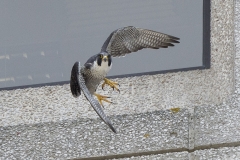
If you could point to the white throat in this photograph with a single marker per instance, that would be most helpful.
(103, 69)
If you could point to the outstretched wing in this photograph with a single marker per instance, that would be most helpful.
(79, 83)
(131, 39)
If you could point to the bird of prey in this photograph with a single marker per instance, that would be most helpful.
(120, 42)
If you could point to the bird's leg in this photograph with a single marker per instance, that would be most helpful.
(102, 98)
(112, 84)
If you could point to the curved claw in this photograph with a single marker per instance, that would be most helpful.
(111, 84)
(103, 86)
(102, 98)
(116, 89)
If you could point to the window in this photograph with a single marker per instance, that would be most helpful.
(41, 40)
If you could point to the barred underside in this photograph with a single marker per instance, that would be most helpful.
(94, 103)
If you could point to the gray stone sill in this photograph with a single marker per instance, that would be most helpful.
(138, 134)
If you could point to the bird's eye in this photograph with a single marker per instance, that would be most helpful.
(101, 56)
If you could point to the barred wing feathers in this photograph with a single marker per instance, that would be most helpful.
(131, 39)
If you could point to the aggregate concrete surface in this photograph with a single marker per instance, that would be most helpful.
(159, 130)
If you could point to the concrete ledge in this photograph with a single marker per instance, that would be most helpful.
(217, 125)
(161, 130)
(225, 153)
(138, 134)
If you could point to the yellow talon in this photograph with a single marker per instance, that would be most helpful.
(112, 84)
(102, 98)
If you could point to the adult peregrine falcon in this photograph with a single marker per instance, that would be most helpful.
(119, 43)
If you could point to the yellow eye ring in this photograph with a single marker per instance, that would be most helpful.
(101, 56)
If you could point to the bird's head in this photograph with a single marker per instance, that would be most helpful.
(104, 58)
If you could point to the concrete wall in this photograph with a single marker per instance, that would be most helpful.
(48, 123)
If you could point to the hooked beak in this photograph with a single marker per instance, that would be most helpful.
(105, 58)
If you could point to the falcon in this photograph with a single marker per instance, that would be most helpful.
(120, 42)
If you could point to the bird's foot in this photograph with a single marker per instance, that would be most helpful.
(112, 84)
(102, 98)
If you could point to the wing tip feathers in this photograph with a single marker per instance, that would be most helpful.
(174, 38)
(112, 128)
